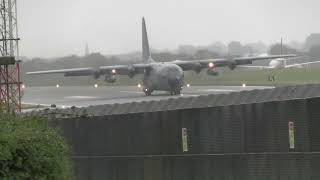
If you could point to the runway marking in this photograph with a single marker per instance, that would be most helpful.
(189, 95)
(80, 97)
(134, 92)
(217, 90)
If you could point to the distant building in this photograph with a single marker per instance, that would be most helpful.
(187, 49)
(235, 48)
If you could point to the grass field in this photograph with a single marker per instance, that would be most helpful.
(228, 77)
(282, 77)
(237, 77)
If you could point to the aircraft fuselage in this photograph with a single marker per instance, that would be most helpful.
(163, 77)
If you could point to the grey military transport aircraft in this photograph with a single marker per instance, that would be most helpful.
(162, 76)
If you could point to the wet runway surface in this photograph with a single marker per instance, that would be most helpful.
(85, 96)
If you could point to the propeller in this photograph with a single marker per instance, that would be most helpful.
(131, 71)
(211, 72)
(96, 74)
(232, 64)
(110, 79)
(197, 67)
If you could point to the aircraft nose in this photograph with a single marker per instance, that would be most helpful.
(173, 81)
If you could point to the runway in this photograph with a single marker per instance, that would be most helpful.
(80, 96)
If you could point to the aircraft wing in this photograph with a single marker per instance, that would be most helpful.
(124, 69)
(301, 64)
(257, 58)
(103, 70)
(66, 72)
(198, 64)
(253, 67)
(134, 69)
(231, 63)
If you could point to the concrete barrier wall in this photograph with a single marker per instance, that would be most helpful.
(207, 167)
(249, 141)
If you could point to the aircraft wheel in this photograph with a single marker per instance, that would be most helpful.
(147, 92)
(271, 78)
(171, 93)
(177, 92)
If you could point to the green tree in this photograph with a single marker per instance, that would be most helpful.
(312, 40)
(276, 50)
(205, 54)
(314, 51)
(235, 48)
(30, 149)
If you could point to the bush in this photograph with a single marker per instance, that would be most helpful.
(30, 149)
(314, 51)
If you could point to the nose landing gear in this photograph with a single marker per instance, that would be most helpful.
(147, 91)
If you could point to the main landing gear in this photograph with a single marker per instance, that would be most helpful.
(175, 92)
(271, 78)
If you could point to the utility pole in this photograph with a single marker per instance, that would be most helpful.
(281, 45)
(10, 82)
(281, 52)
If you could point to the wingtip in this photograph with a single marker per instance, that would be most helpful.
(292, 55)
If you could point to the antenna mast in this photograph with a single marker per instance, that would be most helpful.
(281, 45)
(10, 83)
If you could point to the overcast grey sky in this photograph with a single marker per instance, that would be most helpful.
(51, 28)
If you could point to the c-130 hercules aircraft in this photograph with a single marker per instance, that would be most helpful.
(162, 76)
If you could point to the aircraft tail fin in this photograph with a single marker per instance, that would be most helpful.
(146, 55)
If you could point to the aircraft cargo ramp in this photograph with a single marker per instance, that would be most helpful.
(270, 134)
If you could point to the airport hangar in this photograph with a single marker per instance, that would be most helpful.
(269, 134)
